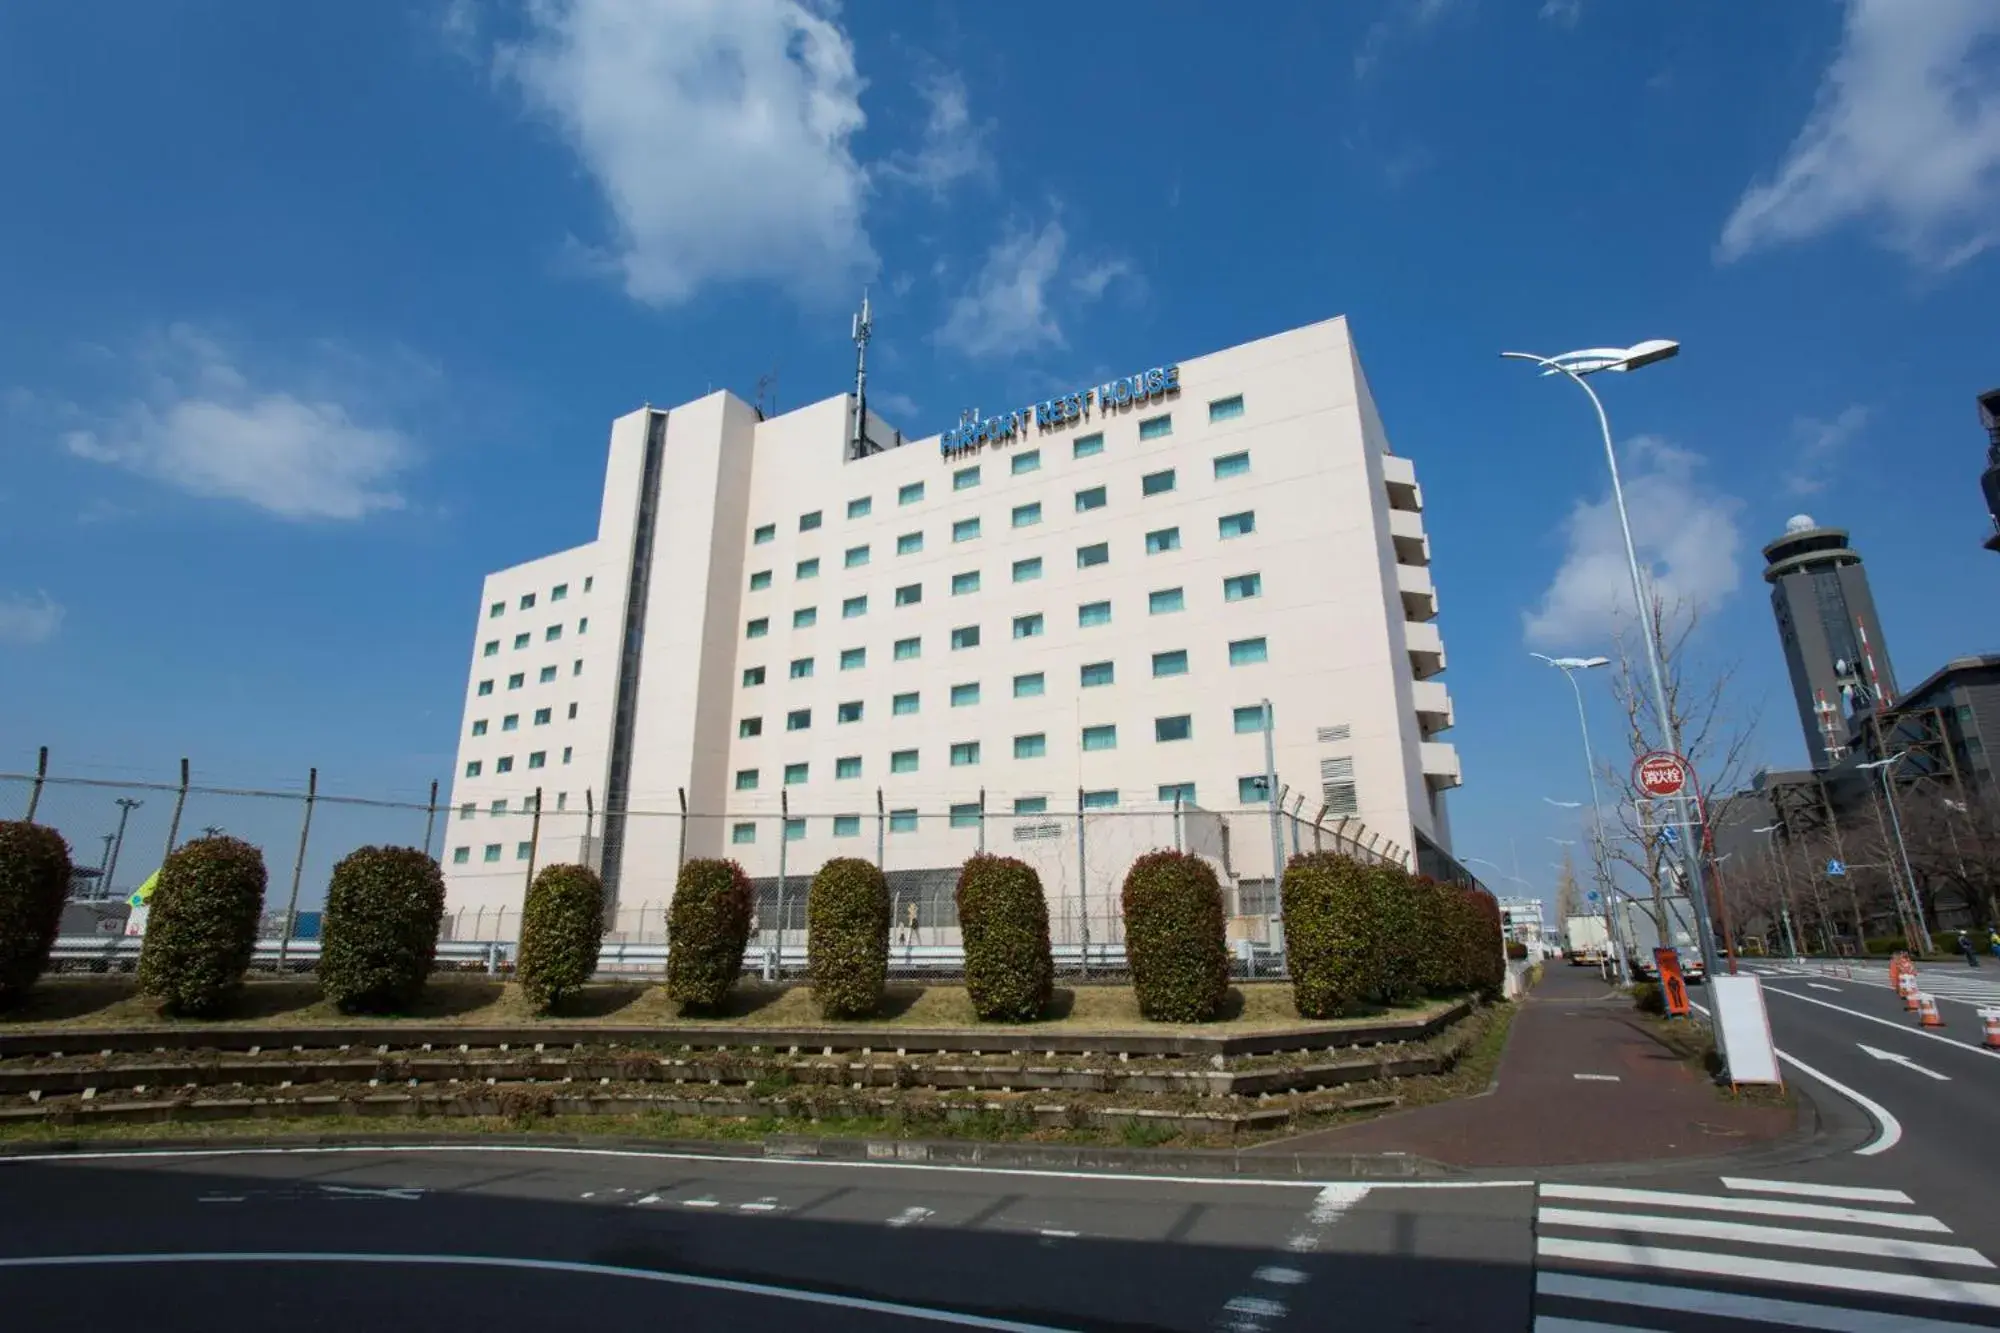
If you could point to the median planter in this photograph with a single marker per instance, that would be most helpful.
(379, 939)
(34, 881)
(847, 942)
(1174, 944)
(708, 931)
(202, 928)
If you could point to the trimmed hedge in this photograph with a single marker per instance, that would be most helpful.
(203, 925)
(379, 936)
(847, 937)
(1485, 970)
(562, 926)
(1439, 970)
(1174, 925)
(1009, 971)
(1356, 932)
(1328, 949)
(707, 931)
(34, 882)
(1393, 904)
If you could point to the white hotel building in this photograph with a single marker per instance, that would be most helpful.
(824, 647)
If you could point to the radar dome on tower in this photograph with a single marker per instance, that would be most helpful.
(1799, 523)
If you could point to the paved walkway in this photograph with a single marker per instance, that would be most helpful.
(1577, 1084)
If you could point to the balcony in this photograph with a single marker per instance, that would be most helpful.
(1419, 596)
(1426, 648)
(1433, 707)
(1441, 769)
(1399, 476)
(1406, 530)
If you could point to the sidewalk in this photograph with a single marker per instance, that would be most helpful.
(1640, 1103)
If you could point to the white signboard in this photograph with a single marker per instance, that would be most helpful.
(1745, 1029)
(135, 924)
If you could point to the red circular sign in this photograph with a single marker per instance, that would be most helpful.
(1662, 773)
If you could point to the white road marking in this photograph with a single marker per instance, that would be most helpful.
(1729, 1305)
(1750, 1233)
(909, 1217)
(1055, 1233)
(1762, 1269)
(1898, 1027)
(222, 1198)
(1596, 1078)
(1719, 1203)
(697, 1203)
(1888, 1129)
(1257, 1307)
(1549, 1323)
(1904, 1061)
(1852, 1193)
(1334, 1200)
(730, 1285)
(367, 1192)
(760, 1206)
(1814, 985)
(1279, 1277)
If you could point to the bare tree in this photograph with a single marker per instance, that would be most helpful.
(1569, 898)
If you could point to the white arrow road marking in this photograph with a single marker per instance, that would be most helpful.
(1904, 1061)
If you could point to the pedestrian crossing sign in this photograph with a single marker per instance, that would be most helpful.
(1835, 868)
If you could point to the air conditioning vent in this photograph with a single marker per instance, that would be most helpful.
(1333, 735)
(1340, 769)
(1037, 832)
(1341, 798)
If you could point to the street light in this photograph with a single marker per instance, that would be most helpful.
(126, 805)
(1569, 666)
(1882, 766)
(1575, 366)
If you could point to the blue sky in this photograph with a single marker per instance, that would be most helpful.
(312, 314)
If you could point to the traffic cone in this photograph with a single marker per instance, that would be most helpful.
(1909, 989)
(1927, 1012)
(1990, 1018)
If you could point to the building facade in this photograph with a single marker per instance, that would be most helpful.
(1050, 632)
(1834, 647)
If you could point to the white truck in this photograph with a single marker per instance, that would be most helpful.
(1586, 941)
(1642, 930)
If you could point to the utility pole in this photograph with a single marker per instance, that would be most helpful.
(1271, 798)
(126, 805)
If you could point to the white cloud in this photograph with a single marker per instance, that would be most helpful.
(26, 619)
(202, 426)
(899, 405)
(1687, 539)
(1412, 15)
(1091, 282)
(1006, 311)
(953, 147)
(718, 132)
(1905, 135)
(1821, 444)
(1562, 12)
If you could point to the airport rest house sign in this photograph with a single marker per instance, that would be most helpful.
(973, 431)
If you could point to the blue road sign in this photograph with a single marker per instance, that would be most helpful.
(1670, 836)
(1592, 895)
(1836, 868)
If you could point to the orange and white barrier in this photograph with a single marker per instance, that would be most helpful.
(1909, 990)
(1990, 1020)
(1927, 1012)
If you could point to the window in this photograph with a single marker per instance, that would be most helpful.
(848, 766)
(1093, 613)
(559, 592)
(760, 580)
(1029, 686)
(1031, 805)
(746, 779)
(902, 821)
(861, 508)
(498, 807)
(1087, 446)
(749, 727)
(1237, 525)
(565, 759)
(742, 833)
(511, 722)
(752, 677)
(1097, 553)
(583, 625)
(905, 705)
(1026, 571)
(1156, 483)
(910, 493)
(962, 584)
(1028, 627)
(1096, 673)
(1165, 601)
(538, 758)
(1252, 790)
(1100, 738)
(472, 768)
(909, 594)
(541, 717)
(467, 810)
(805, 617)
(551, 634)
(1232, 465)
(1157, 428)
(522, 640)
(1087, 500)
(964, 696)
(1100, 800)
(965, 636)
(847, 826)
(764, 534)
(1177, 728)
(1243, 652)
(965, 530)
(903, 761)
(1225, 409)
(802, 668)
(795, 830)
(965, 754)
(856, 557)
(479, 727)
(757, 628)
(1031, 461)
(808, 522)
(1034, 746)
(853, 608)
(496, 610)
(1242, 586)
(853, 659)
(485, 688)
(460, 855)
(909, 649)
(548, 675)
(909, 543)
(577, 668)
(965, 479)
(588, 579)
(491, 851)
(527, 601)
(848, 712)
(795, 774)
(491, 648)
(572, 712)
(1182, 792)
(504, 764)
(1173, 663)
(516, 681)
(1026, 516)
(807, 569)
(965, 815)
(1248, 718)
(799, 719)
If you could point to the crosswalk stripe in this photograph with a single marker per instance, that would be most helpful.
(1552, 1323)
(1852, 1193)
(1761, 1269)
(1811, 1212)
(1703, 1228)
(1730, 1305)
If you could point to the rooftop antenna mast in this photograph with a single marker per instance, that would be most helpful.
(864, 329)
(767, 394)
